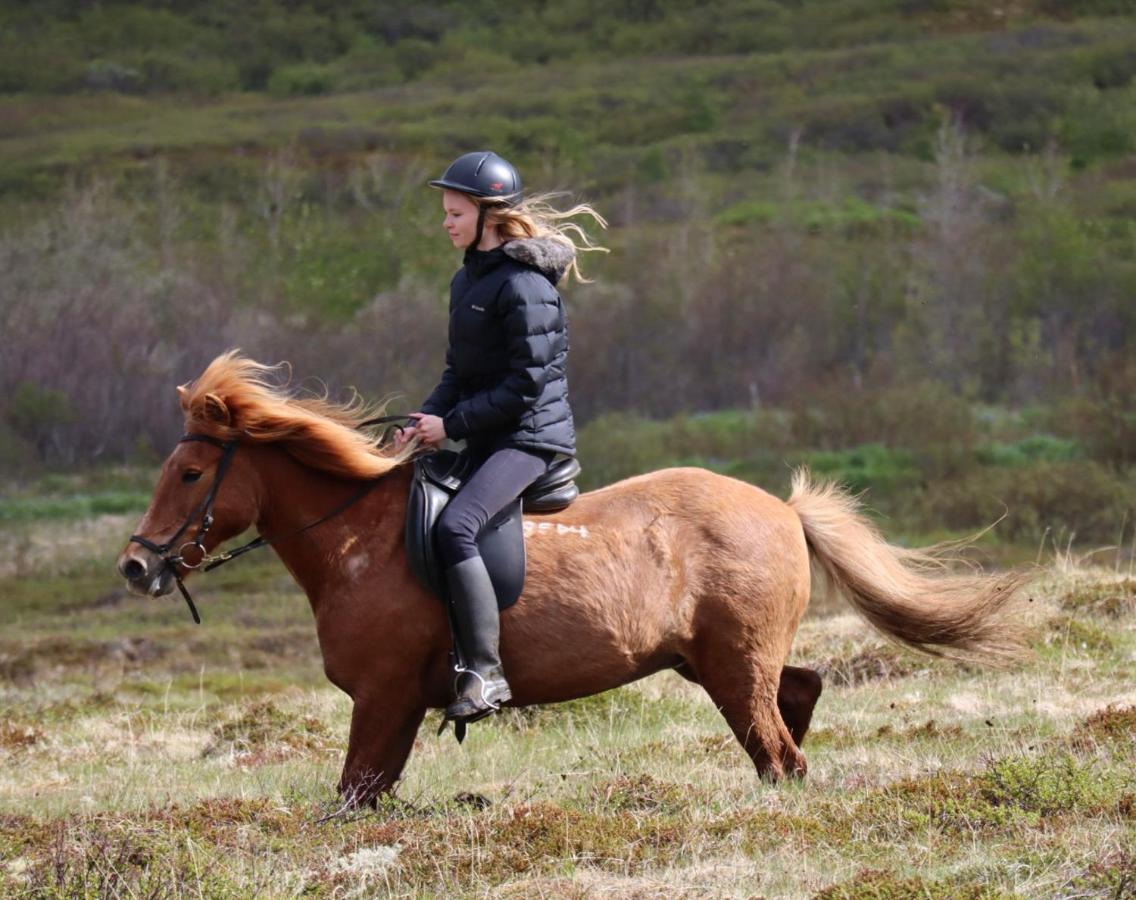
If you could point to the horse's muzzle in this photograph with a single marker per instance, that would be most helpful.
(145, 573)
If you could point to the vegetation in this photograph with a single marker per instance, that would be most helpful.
(890, 239)
(146, 756)
(808, 201)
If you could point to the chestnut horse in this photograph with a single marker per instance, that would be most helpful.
(680, 568)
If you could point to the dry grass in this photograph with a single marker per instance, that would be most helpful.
(139, 756)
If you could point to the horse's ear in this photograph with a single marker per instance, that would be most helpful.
(216, 410)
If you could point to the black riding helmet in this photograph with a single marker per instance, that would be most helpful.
(486, 175)
(483, 174)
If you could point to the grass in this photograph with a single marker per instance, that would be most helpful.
(142, 755)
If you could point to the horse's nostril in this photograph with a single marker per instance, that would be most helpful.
(133, 570)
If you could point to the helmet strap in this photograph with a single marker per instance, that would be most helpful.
(480, 226)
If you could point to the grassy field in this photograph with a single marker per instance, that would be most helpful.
(144, 756)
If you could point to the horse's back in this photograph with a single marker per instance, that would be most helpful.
(689, 492)
(690, 518)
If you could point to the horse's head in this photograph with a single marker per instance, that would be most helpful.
(206, 494)
(210, 491)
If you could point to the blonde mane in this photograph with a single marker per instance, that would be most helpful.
(238, 398)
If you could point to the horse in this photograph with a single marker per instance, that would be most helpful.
(678, 569)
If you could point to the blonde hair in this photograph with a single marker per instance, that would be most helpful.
(536, 217)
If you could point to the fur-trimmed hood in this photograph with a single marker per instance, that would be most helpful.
(549, 256)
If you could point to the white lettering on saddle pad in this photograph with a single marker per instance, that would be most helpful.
(532, 528)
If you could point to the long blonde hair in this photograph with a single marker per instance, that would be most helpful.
(536, 217)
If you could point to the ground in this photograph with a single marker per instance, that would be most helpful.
(141, 755)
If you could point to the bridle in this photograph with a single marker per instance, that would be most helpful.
(204, 509)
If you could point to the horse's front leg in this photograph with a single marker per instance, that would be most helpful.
(383, 728)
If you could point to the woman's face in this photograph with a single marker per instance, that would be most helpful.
(461, 218)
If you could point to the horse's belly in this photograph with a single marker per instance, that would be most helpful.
(599, 610)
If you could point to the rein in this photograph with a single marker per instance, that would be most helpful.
(208, 563)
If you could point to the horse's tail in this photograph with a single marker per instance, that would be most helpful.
(907, 594)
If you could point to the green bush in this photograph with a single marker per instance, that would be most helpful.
(1081, 500)
(883, 472)
(928, 419)
(1105, 421)
(1111, 68)
(1030, 450)
(164, 73)
(303, 80)
(35, 412)
(1070, 8)
(107, 75)
(17, 455)
(742, 444)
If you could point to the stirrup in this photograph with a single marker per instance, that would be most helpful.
(482, 706)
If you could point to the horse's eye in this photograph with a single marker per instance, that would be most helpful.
(190, 476)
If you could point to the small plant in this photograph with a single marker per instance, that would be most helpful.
(265, 732)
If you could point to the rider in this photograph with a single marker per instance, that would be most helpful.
(504, 388)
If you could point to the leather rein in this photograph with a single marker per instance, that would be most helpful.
(204, 509)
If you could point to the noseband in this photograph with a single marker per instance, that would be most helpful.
(204, 509)
(171, 561)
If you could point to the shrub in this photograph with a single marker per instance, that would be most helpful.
(16, 454)
(874, 468)
(104, 75)
(934, 424)
(1033, 449)
(1084, 499)
(304, 80)
(1106, 420)
(1112, 68)
(34, 413)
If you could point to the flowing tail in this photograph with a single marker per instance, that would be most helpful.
(908, 595)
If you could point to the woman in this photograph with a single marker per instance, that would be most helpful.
(504, 388)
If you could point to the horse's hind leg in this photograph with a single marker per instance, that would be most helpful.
(798, 690)
(744, 688)
(797, 695)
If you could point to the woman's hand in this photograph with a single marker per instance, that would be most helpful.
(403, 436)
(429, 428)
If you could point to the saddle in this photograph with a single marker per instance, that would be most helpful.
(440, 475)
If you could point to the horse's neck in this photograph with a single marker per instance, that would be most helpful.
(367, 535)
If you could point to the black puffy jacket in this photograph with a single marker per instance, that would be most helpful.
(505, 381)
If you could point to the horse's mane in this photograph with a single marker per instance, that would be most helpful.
(238, 398)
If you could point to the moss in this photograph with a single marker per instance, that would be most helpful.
(872, 664)
(949, 801)
(1113, 724)
(1013, 790)
(1110, 599)
(754, 831)
(1112, 875)
(113, 856)
(873, 884)
(219, 820)
(1067, 631)
(642, 793)
(1051, 784)
(497, 845)
(16, 736)
(267, 732)
(929, 730)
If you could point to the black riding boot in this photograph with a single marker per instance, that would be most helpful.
(482, 687)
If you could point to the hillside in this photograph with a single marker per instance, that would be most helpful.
(809, 202)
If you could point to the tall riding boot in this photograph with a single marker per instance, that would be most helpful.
(482, 687)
